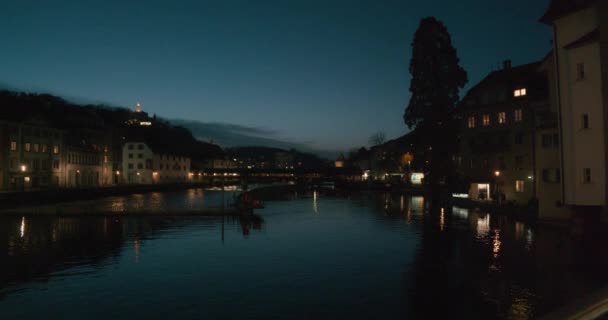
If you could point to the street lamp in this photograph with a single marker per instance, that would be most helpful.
(23, 168)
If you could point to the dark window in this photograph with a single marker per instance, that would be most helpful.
(519, 138)
(140, 166)
(140, 156)
(585, 120)
(519, 162)
(580, 71)
(587, 175)
(130, 166)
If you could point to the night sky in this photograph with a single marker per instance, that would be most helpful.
(324, 74)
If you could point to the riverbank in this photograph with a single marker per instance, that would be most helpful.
(13, 200)
(85, 211)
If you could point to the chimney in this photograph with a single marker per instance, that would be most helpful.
(506, 65)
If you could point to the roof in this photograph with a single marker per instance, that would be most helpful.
(560, 8)
(587, 38)
(340, 158)
(520, 73)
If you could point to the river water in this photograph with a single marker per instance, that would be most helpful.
(362, 256)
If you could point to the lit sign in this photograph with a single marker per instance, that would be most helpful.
(145, 123)
(416, 178)
(460, 195)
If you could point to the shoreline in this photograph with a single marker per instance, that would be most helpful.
(17, 200)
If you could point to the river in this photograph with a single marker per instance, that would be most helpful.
(361, 256)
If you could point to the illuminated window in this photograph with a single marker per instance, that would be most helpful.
(519, 92)
(502, 117)
(13, 145)
(519, 186)
(36, 147)
(471, 122)
(27, 147)
(55, 149)
(518, 115)
(587, 175)
(486, 120)
(44, 148)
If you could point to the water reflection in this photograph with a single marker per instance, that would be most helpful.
(154, 202)
(483, 226)
(36, 247)
(389, 256)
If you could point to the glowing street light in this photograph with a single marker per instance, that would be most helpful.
(497, 173)
(23, 168)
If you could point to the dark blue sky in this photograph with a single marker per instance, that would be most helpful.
(326, 74)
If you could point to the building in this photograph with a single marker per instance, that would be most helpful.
(30, 155)
(87, 152)
(498, 119)
(87, 166)
(147, 163)
(339, 163)
(140, 118)
(580, 52)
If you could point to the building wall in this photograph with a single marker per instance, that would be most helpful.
(548, 177)
(170, 168)
(85, 168)
(137, 163)
(582, 148)
(504, 148)
(32, 156)
(141, 165)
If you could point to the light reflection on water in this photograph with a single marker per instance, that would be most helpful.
(191, 199)
(367, 256)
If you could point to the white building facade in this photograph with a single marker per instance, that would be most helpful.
(581, 61)
(144, 165)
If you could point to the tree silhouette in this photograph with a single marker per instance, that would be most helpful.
(377, 138)
(436, 80)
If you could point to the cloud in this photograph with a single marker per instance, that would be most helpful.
(234, 135)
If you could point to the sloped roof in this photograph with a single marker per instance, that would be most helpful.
(560, 8)
(587, 38)
(512, 75)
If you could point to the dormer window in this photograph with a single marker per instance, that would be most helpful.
(519, 92)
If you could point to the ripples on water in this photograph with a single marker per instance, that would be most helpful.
(359, 256)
